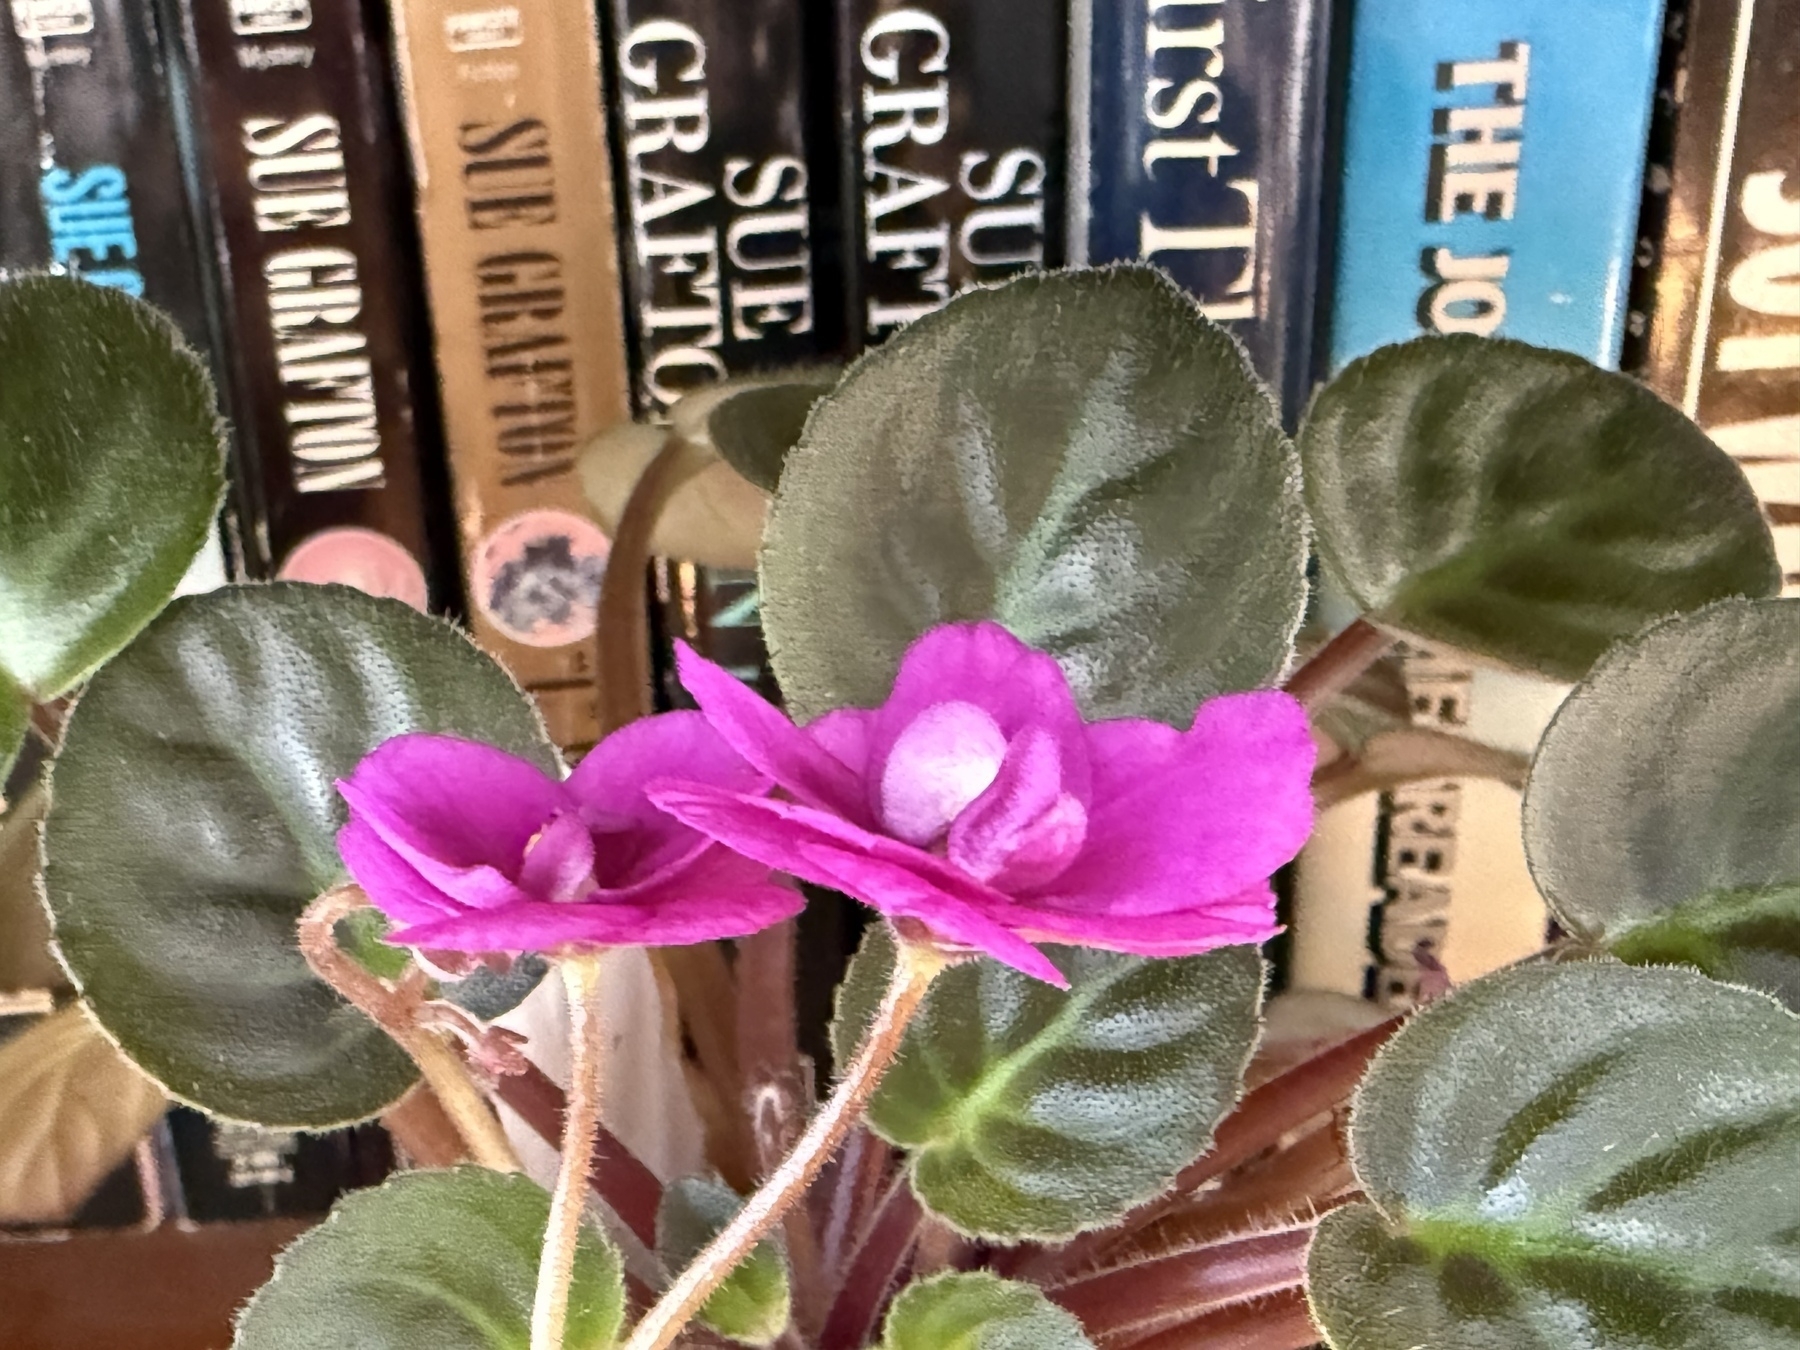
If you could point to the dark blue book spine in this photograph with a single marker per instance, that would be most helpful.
(1198, 144)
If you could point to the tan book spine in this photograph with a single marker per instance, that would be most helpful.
(504, 111)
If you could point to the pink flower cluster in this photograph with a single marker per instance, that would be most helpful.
(975, 801)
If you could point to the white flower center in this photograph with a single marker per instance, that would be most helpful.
(945, 758)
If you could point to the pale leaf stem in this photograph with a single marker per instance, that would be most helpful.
(916, 966)
(392, 1011)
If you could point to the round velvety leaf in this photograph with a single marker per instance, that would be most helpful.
(15, 725)
(753, 1305)
(72, 1108)
(1522, 503)
(977, 1311)
(1663, 812)
(430, 1261)
(193, 817)
(1030, 1112)
(754, 423)
(1575, 1157)
(112, 468)
(1078, 455)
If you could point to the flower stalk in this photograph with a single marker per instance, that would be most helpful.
(550, 1306)
(393, 1010)
(916, 966)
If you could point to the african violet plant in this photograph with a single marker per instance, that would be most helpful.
(1031, 575)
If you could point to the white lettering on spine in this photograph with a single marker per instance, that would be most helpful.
(1182, 92)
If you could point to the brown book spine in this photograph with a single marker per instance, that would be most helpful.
(1723, 339)
(319, 295)
(503, 106)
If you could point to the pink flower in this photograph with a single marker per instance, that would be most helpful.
(472, 849)
(976, 802)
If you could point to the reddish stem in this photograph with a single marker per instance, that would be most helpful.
(1297, 1180)
(629, 1188)
(1280, 1322)
(872, 1272)
(1284, 1103)
(853, 1186)
(1335, 666)
(1188, 1283)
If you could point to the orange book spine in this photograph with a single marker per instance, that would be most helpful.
(504, 111)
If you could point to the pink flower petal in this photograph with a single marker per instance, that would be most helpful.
(940, 762)
(884, 874)
(559, 863)
(722, 899)
(904, 895)
(765, 737)
(460, 812)
(1181, 818)
(1245, 918)
(389, 879)
(1025, 829)
(983, 664)
(637, 842)
(844, 735)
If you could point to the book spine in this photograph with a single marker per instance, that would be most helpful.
(318, 293)
(717, 169)
(955, 142)
(503, 109)
(1198, 144)
(713, 155)
(1723, 338)
(92, 178)
(1493, 157)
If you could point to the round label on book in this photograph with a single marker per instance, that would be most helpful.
(536, 577)
(365, 559)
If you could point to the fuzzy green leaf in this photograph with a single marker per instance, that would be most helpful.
(1522, 503)
(15, 725)
(1574, 1157)
(1663, 812)
(978, 1311)
(112, 468)
(193, 818)
(430, 1261)
(1028, 1112)
(752, 1307)
(1078, 455)
(755, 422)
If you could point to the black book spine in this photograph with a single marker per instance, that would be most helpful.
(954, 133)
(93, 181)
(300, 165)
(716, 176)
(717, 163)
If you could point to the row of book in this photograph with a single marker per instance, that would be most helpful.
(583, 214)
(434, 247)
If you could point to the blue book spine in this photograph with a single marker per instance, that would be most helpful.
(1197, 143)
(1492, 164)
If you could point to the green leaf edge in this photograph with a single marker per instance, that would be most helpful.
(853, 1004)
(159, 324)
(981, 1282)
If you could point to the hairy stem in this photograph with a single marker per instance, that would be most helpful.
(550, 1307)
(1335, 666)
(393, 1011)
(915, 967)
(624, 624)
